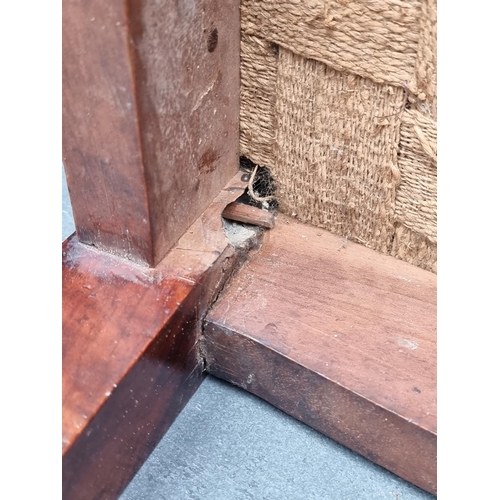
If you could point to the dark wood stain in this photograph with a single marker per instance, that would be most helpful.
(212, 40)
(208, 162)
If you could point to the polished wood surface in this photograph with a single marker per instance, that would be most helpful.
(150, 118)
(338, 336)
(130, 352)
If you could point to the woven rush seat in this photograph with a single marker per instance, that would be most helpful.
(338, 100)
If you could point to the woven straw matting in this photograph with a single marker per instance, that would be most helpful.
(338, 99)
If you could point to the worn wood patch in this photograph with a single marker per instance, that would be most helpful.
(338, 336)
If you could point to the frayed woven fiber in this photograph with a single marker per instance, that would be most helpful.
(259, 62)
(425, 70)
(345, 116)
(416, 199)
(414, 248)
(337, 145)
(374, 39)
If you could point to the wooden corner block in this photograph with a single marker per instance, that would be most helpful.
(130, 349)
(247, 214)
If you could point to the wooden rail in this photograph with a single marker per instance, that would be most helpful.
(338, 336)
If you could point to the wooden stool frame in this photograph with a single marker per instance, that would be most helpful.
(154, 293)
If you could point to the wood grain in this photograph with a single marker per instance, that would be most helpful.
(130, 354)
(340, 337)
(150, 118)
